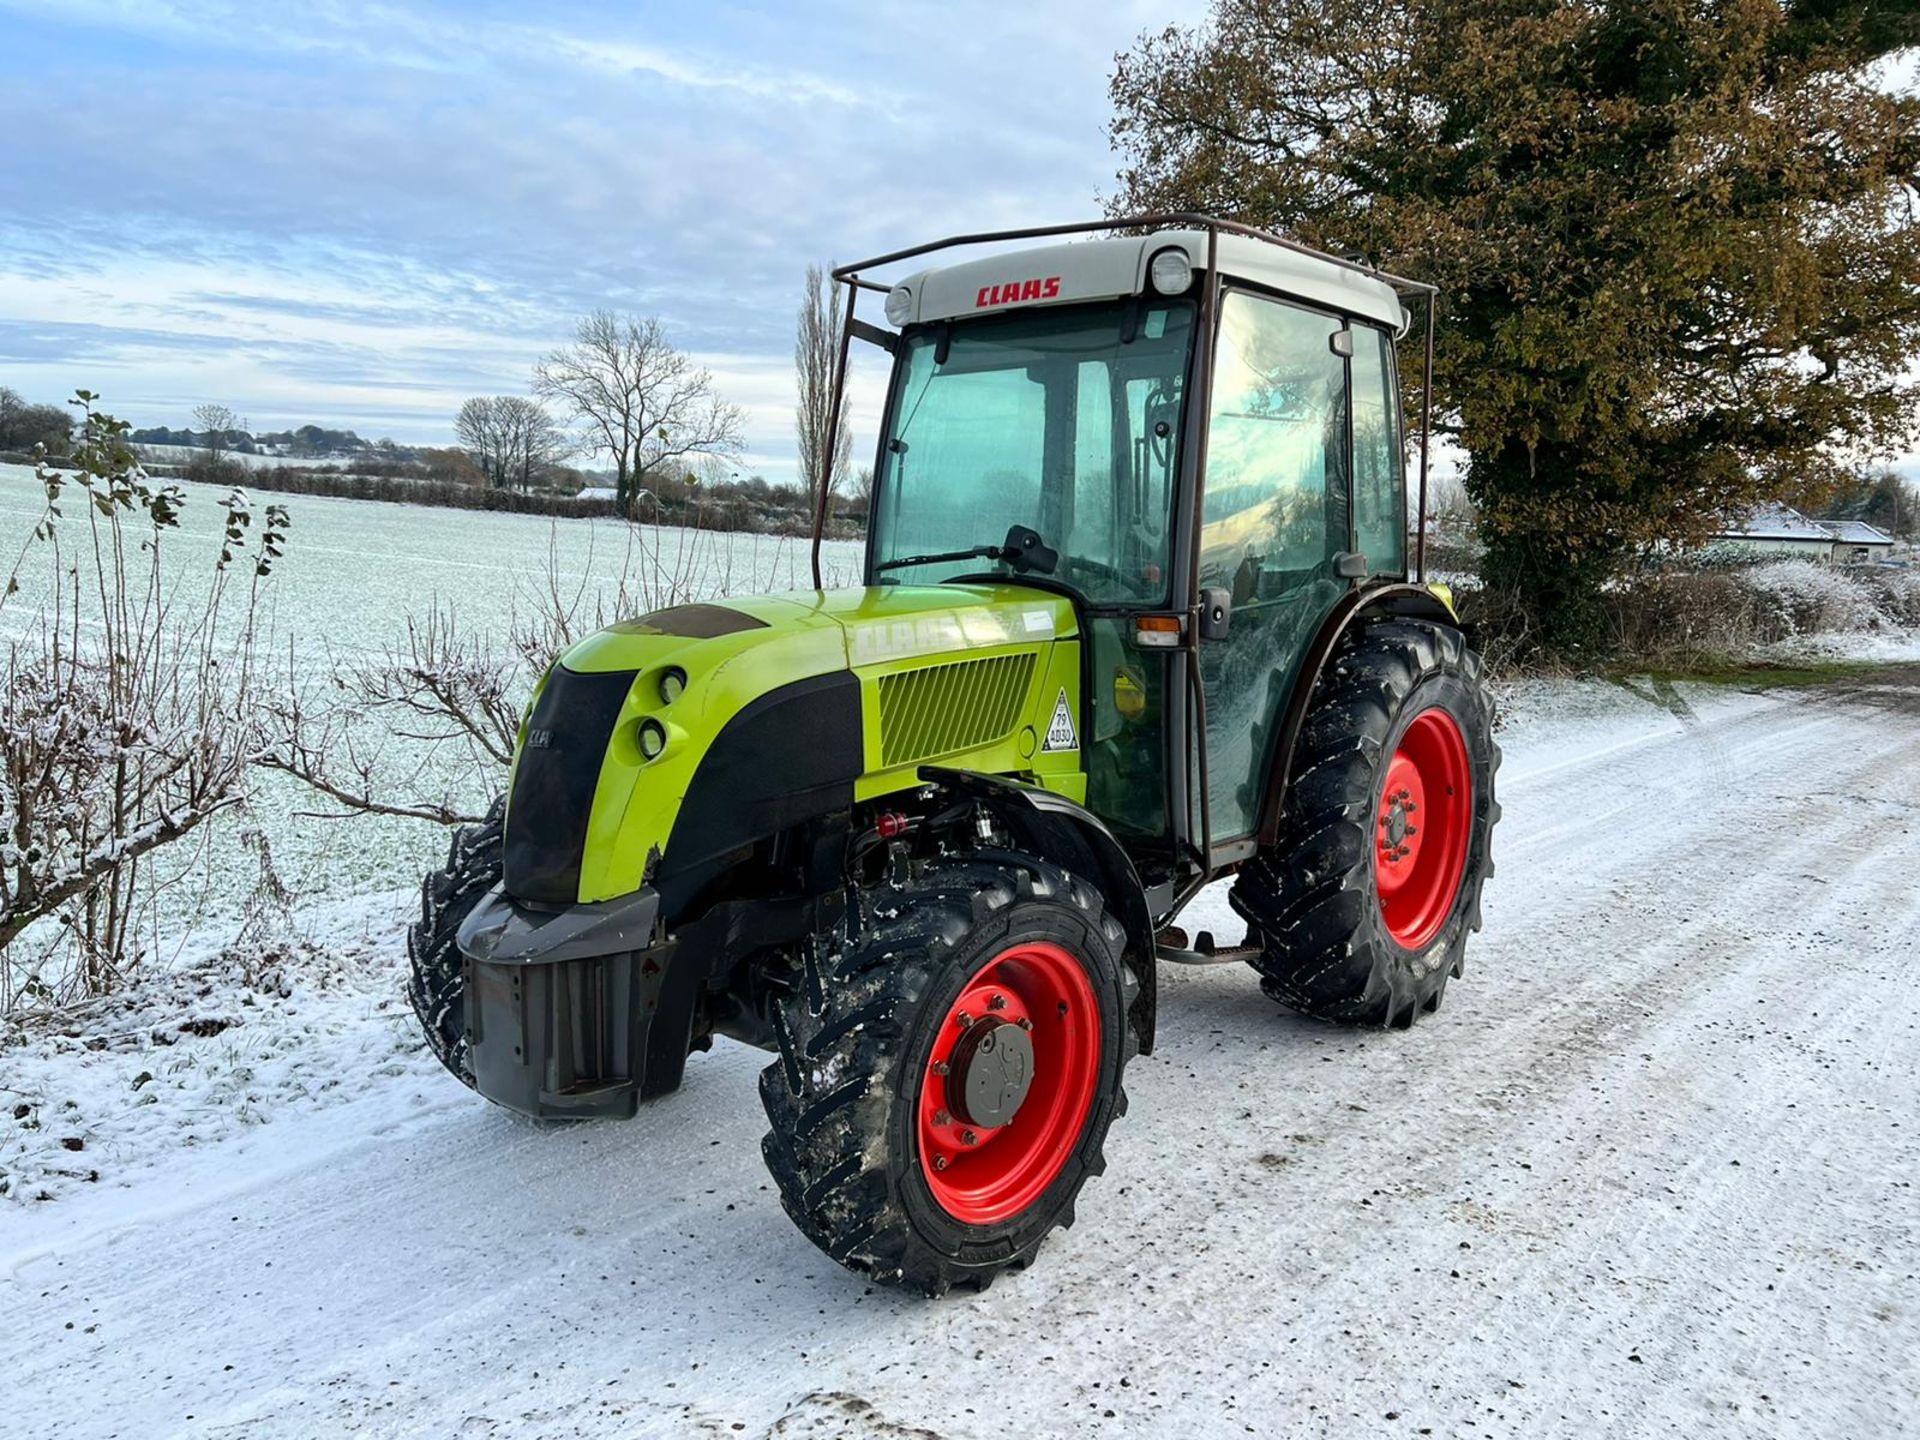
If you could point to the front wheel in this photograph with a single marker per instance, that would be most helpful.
(950, 1061)
(1363, 905)
(436, 978)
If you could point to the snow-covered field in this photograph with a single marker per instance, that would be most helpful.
(1650, 1171)
(353, 572)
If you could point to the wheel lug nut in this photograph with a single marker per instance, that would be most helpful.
(941, 1117)
(998, 1002)
(939, 1162)
(964, 1019)
(1063, 1009)
(1024, 1023)
(940, 1067)
(967, 1137)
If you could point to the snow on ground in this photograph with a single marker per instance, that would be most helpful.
(1878, 648)
(1650, 1170)
(117, 1094)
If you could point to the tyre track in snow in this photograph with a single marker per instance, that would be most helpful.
(1520, 1218)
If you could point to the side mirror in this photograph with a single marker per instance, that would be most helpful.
(1350, 565)
(1027, 553)
(1216, 611)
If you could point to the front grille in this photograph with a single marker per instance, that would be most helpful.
(554, 781)
(944, 708)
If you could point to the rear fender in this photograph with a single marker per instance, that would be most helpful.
(1056, 828)
(1417, 601)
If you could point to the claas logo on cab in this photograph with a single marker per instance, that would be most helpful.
(1015, 291)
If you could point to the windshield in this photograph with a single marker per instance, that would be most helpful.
(1064, 420)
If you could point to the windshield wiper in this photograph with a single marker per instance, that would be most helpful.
(1022, 549)
(978, 552)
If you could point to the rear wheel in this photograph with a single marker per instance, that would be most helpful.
(1363, 905)
(950, 1061)
(436, 984)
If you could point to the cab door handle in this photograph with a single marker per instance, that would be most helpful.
(1216, 611)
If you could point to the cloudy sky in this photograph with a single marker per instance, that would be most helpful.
(361, 213)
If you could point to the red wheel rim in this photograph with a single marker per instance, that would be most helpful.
(980, 1174)
(1421, 832)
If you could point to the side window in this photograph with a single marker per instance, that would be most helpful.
(1379, 465)
(1274, 515)
(1275, 503)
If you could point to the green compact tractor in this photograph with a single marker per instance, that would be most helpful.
(1137, 616)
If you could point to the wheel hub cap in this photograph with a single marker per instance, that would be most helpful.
(992, 1069)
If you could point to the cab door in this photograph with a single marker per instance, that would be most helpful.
(1274, 522)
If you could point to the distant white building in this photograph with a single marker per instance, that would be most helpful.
(598, 492)
(1857, 543)
(1777, 530)
(1782, 530)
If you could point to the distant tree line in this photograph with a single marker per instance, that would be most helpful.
(221, 431)
(1887, 501)
(24, 425)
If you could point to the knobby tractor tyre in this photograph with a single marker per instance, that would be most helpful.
(1363, 905)
(436, 984)
(950, 1061)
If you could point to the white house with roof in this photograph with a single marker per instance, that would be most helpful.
(1782, 530)
(1776, 530)
(1857, 543)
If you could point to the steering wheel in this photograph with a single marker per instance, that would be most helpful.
(1098, 569)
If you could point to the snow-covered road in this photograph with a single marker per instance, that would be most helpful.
(1651, 1170)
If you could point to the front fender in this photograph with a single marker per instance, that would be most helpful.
(1069, 834)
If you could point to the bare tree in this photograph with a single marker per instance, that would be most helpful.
(481, 434)
(816, 354)
(543, 444)
(511, 438)
(639, 401)
(214, 422)
(863, 491)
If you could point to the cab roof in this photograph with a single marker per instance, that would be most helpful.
(1116, 266)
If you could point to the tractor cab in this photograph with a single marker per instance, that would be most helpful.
(1198, 430)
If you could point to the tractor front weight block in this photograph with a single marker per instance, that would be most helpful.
(574, 1013)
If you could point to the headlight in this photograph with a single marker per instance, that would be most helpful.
(899, 306)
(653, 738)
(1171, 272)
(673, 682)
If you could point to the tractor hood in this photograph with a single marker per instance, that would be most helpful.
(668, 742)
(839, 629)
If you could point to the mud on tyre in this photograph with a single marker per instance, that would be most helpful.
(436, 983)
(950, 1059)
(1363, 905)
